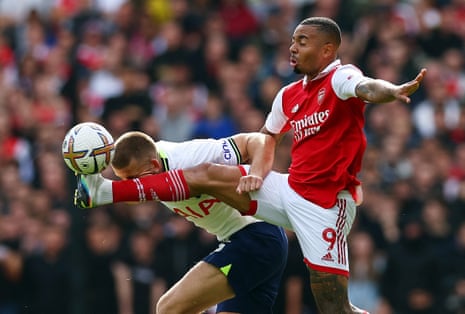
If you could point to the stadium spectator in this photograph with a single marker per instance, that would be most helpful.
(140, 294)
(410, 281)
(103, 242)
(47, 275)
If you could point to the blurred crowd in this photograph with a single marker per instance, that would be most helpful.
(183, 69)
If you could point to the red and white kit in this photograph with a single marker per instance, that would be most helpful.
(317, 197)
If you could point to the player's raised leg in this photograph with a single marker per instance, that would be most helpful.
(217, 180)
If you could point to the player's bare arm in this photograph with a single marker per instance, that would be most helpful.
(257, 149)
(380, 91)
(277, 137)
(261, 163)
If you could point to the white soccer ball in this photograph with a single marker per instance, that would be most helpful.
(88, 148)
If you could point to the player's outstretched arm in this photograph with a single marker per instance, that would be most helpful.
(381, 91)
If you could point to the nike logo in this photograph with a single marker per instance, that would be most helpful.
(295, 108)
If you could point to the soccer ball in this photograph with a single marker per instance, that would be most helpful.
(88, 148)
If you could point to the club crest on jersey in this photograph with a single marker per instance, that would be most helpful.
(321, 96)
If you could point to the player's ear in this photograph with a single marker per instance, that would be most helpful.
(156, 165)
(329, 49)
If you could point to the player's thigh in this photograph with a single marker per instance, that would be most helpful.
(322, 232)
(202, 286)
(269, 200)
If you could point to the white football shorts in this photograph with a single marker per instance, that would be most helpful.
(322, 233)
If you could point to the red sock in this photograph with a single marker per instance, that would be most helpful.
(166, 186)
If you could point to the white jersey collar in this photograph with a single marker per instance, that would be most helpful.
(163, 158)
(325, 71)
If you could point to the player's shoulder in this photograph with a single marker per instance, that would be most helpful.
(347, 73)
(197, 142)
(166, 145)
(348, 68)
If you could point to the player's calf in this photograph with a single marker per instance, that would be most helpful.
(95, 190)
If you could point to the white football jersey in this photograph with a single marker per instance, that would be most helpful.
(205, 211)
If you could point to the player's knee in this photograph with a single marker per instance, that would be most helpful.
(172, 303)
(165, 305)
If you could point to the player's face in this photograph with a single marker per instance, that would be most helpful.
(308, 50)
(136, 170)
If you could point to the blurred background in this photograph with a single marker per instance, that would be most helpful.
(182, 69)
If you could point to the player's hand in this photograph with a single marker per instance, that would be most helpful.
(249, 183)
(405, 90)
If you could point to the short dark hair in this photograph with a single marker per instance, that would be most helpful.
(325, 25)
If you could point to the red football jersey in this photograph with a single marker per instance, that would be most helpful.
(329, 140)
